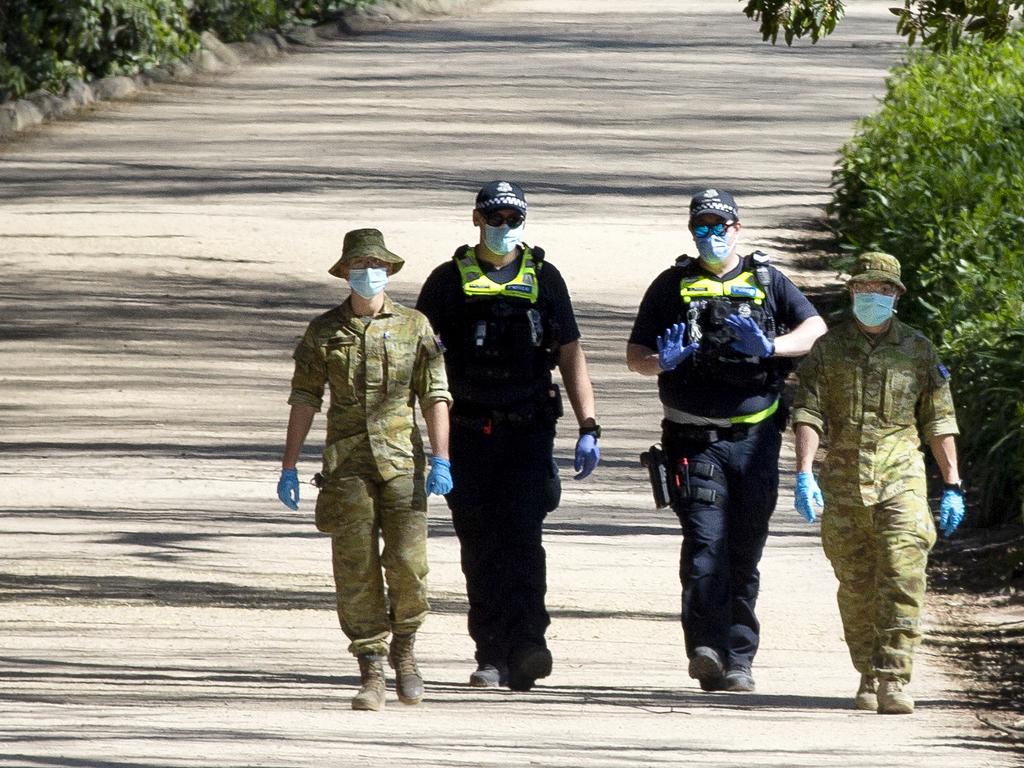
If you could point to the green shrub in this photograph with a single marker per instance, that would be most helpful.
(233, 20)
(44, 43)
(936, 177)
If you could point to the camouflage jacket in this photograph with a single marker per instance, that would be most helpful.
(870, 401)
(375, 370)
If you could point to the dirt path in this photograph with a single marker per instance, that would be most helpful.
(159, 607)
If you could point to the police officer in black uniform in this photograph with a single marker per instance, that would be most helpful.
(720, 331)
(505, 320)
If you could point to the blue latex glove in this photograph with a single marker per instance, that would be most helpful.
(808, 496)
(951, 512)
(587, 455)
(750, 340)
(288, 488)
(671, 351)
(439, 481)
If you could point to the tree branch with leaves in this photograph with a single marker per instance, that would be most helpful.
(940, 26)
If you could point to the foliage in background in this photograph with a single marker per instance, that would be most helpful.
(936, 177)
(233, 20)
(939, 25)
(46, 43)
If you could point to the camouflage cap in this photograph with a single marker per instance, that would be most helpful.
(368, 243)
(875, 265)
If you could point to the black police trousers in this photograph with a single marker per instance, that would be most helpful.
(733, 486)
(504, 483)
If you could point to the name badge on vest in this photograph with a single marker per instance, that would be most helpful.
(747, 291)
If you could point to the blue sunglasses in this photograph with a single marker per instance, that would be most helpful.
(703, 230)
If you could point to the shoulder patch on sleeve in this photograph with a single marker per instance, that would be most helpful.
(943, 371)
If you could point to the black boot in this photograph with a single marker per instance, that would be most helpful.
(527, 664)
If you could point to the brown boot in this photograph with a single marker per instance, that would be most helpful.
(893, 700)
(372, 685)
(867, 695)
(408, 680)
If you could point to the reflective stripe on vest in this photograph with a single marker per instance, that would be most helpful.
(475, 283)
(744, 286)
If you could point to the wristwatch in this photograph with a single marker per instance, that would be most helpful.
(957, 486)
(594, 429)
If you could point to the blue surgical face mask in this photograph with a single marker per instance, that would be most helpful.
(873, 308)
(368, 282)
(503, 239)
(713, 249)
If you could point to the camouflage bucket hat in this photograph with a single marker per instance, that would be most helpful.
(367, 243)
(875, 265)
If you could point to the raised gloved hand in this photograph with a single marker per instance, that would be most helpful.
(750, 339)
(288, 488)
(587, 455)
(808, 496)
(671, 349)
(439, 481)
(951, 511)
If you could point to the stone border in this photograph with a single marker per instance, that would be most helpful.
(212, 57)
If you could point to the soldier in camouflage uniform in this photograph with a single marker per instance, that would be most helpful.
(870, 385)
(377, 357)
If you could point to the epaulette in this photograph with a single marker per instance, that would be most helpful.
(761, 262)
(684, 260)
(460, 252)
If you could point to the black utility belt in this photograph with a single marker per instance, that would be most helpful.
(488, 421)
(543, 409)
(705, 434)
(740, 427)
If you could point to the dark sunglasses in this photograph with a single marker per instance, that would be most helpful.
(703, 230)
(497, 219)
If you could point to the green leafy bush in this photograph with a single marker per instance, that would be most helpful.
(936, 177)
(44, 43)
(233, 20)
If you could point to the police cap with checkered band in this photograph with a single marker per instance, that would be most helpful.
(714, 201)
(500, 194)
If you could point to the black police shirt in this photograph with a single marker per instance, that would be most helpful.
(441, 299)
(662, 306)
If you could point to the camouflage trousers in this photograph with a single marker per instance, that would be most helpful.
(879, 554)
(361, 511)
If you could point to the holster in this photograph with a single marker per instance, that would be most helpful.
(670, 482)
(656, 462)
